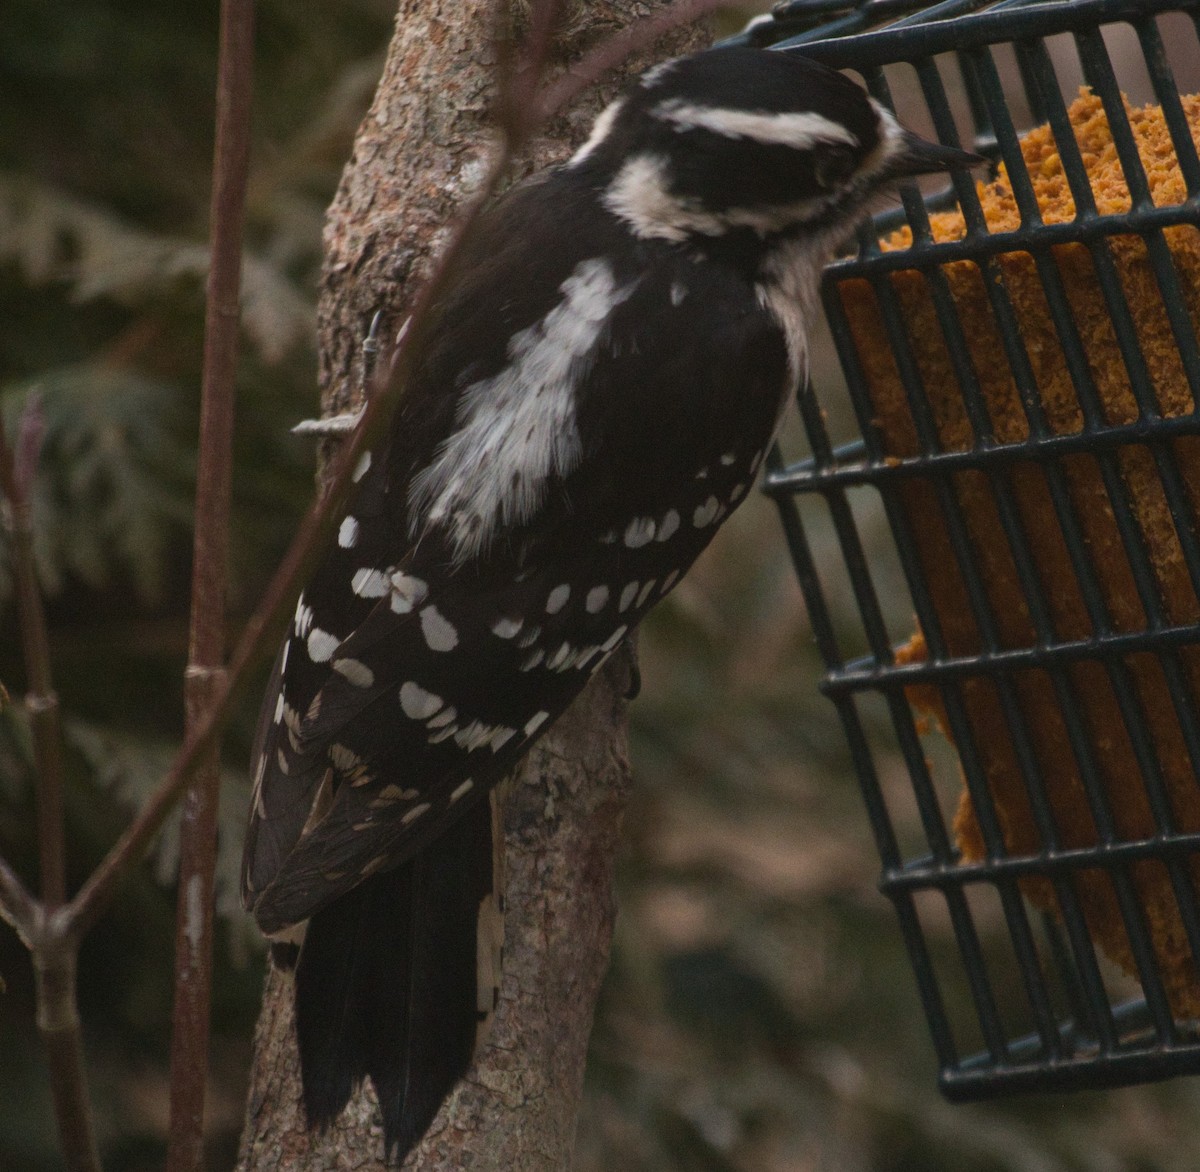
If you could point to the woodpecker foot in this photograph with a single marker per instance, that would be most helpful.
(633, 685)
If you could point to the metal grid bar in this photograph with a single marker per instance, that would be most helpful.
(1099, 1043)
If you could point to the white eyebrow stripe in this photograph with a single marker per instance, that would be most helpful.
(800, 130)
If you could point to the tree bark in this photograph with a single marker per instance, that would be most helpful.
(418, 155)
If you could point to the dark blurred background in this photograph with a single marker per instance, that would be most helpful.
(759, 1015)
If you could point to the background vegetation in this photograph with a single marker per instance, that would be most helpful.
(759, 1014)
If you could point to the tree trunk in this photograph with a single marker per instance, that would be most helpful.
(417, 156)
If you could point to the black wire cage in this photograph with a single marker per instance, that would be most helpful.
(1025, 396)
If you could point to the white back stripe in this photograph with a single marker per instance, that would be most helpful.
(517, 428)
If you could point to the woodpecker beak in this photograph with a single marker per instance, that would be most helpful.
(919, 156)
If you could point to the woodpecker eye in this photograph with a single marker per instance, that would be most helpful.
(833, 166)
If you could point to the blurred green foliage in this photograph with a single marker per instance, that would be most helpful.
(759, 1015)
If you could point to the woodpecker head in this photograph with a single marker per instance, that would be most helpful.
(750, 139)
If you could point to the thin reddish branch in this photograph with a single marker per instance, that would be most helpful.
(41, 701)
(519, 73)
(621, 45)
(58, 1025)
(205, 670)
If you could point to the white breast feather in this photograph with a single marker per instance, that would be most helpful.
(788, 286)
(518, 427)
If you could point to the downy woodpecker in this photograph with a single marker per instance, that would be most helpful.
(602, 384)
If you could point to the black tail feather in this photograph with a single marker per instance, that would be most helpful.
(386, 984)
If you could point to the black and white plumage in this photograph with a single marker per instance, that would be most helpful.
(602, 384)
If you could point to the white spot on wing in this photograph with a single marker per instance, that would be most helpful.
(613, 639)
(439, 632)
(355, 671)
(443, 718)
(535, 722)
(415, 812)
(678, 292)
(407, 592)
(344, 758)
(644, 593)
(586, 655)
(394, 793)
(417, 703)
(321, 645)
(597, 596)
(627, 596)
(640, 531)
(463, 788)
(348, 533)
(705, 514)
(557, 598)
(473, 735)
(369, 583)
(559, 658)
(279, 708)
(361, 468)
(668, 525)
(505, 628)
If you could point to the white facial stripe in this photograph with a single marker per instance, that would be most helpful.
(600, 129)
(656, 73)
(799, 130)
(518, 428)
(640, 196)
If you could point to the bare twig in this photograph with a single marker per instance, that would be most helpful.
(519, 71)
(17, 907)
(198, 831)
(53, 959)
